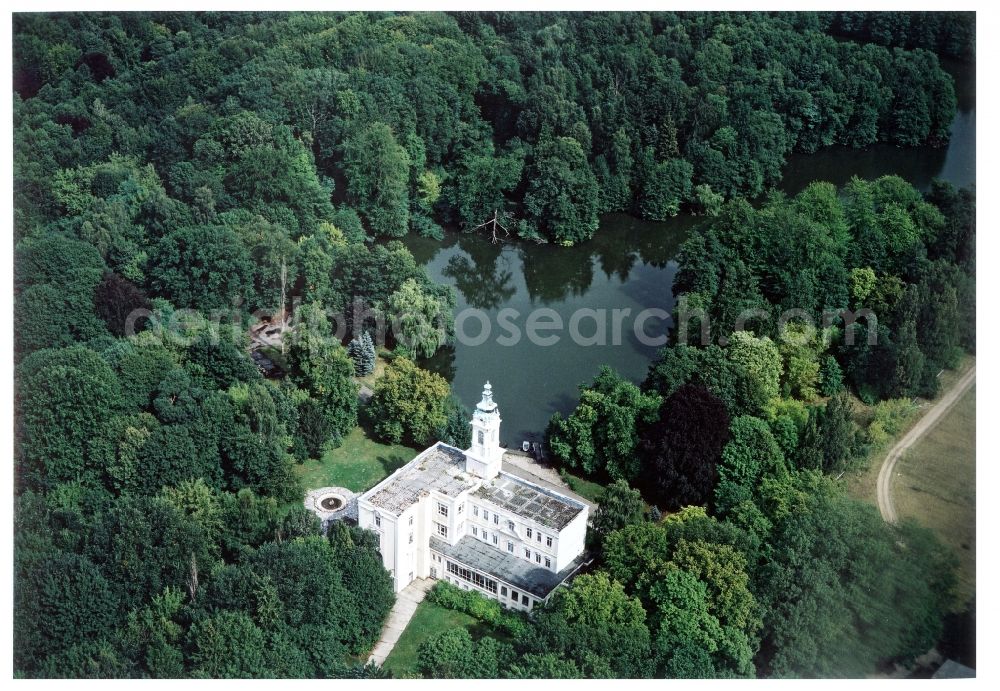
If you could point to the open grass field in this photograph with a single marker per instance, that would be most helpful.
(358, 464)
(936, 485)
(428, 620)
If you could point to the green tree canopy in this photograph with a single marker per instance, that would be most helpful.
(600, 436)
(408, 403)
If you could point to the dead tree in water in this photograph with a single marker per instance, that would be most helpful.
(493, 224)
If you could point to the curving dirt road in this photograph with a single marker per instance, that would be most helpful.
(930, 418)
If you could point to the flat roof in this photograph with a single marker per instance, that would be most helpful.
(440, 468)
(529, 500)
(517, 470)
(520, 573)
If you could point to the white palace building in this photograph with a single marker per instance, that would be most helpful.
(459, 516)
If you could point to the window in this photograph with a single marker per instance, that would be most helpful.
(473, 577)
(475, 531)
(411, 537)
(538, 557)
(411, 520)
(442, 529)
(548, 563)
(434, 572)
(510, 526)
(510, 547)
(503, 590)
(539, 537)
(442, 509)
(480, 437)
(528, 532)
(496, 519)
(486, 536)
(524, 599)
(513, 595)
(494, 538)
(475, 510)
(461, 507)
(548, 541)
(486, 515)
(527, 553)
(378, 521)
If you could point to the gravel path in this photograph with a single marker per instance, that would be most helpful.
(930, 418)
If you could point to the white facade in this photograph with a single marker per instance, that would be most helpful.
(458, 515)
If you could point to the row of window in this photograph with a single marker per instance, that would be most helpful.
(474, 577)
(538, 535)
(443, 529)
(488, 584)
(539, 557)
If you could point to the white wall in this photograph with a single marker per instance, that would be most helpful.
(567, 544)
(572, 540)
(387, 532)
(401, 557)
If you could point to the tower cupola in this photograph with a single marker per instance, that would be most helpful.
(485, 455)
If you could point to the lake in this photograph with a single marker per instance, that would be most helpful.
(628, 265)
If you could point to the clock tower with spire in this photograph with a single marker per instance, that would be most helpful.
(484, 457)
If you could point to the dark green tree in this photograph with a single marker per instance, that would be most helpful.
(562, 194)
(618, 506)
(64, 397)
(320, 365)
(600, 436)
(202, 267)
(682, 448)
(378, 170)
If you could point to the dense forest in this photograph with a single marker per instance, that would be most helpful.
(203, 167)
(758, 429)
(419, 120)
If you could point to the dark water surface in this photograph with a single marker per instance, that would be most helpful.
(629, 265)
(955, 162)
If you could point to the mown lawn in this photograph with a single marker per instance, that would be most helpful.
(428, 620)
(358, 464)
(936, 486)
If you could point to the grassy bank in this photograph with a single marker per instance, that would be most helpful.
(588, 489)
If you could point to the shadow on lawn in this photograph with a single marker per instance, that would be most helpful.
(391, 464)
